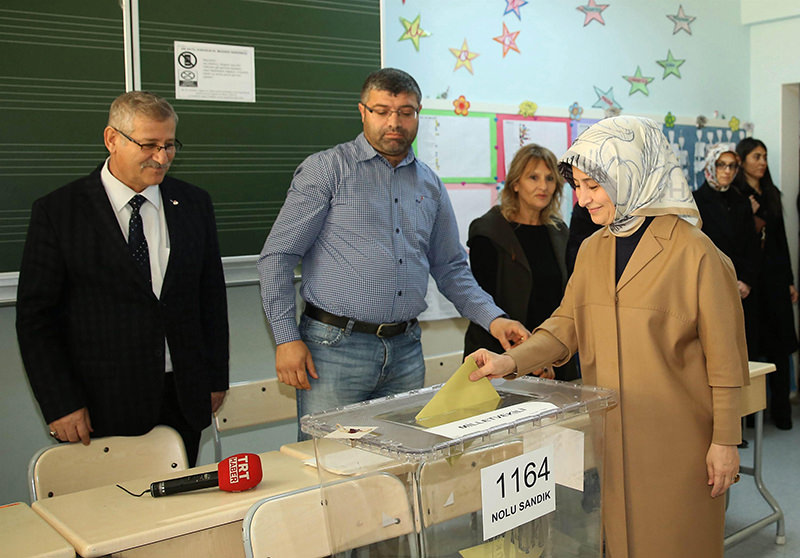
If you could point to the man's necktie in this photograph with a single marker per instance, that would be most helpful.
(137, 243)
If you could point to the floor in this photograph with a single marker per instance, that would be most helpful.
(781, 475)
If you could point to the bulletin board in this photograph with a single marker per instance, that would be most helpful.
(459, 149)
(516, 131)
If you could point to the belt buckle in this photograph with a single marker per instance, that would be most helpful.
(380, 334)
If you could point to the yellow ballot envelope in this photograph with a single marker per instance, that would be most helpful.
(459, 398)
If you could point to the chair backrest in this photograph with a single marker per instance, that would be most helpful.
(439, 368)
(252, 403)
(361, 510)
(65, 468)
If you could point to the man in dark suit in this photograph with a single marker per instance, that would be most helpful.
(121, 308)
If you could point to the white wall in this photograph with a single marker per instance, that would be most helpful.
(774, 99)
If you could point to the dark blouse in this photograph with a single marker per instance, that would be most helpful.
(545, 275)
(627, 244)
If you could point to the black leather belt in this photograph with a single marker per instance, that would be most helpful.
(381, 330)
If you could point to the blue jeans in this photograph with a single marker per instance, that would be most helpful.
(355, 367)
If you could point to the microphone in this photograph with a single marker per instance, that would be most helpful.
(235, 474)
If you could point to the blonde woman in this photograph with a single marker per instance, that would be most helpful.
(517, 248)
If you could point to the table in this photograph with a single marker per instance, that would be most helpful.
(23, 534)
(208, 522)
(754, 401)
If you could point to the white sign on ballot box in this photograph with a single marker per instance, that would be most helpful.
(517, 491)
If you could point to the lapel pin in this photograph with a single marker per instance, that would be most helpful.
(174, 202)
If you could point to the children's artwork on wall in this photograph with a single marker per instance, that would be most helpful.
(514, 131)
(638, 82)
(412, 31)
(605, 99)
(669, 120)
(464, 57)
(681, 21)
(733, 124)
(575, 111)
(593, 12)
(513, 6)
(461, 106)
(671, 65)
(458, 148)
(578, 126)
(508, 39)
(528, 108)
(691, 145)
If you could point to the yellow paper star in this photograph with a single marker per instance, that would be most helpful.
(413, 32)
(464, 57)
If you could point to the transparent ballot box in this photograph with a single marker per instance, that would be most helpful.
(521, 478)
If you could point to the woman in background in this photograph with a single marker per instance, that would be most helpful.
(516, 249)
(728, 220)
(776, 339)
(654, 310)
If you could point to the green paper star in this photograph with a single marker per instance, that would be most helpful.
(638, 82)
(671, 65)
(413, 32)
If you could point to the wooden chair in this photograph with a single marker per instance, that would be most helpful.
(250, 404)
(361, 511)
(65, 468)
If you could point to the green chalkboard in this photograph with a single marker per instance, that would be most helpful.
(311, 58)
(62, 65)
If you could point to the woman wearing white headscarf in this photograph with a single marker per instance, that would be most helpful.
(653, 308)
(728, 221)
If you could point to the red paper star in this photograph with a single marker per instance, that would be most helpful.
(593, 11)
(514, 6)
(508, 40)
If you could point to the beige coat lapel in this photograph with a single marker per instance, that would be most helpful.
(650, 246)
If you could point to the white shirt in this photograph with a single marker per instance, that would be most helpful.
(155, 227)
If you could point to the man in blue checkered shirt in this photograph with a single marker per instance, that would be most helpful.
(370, 222)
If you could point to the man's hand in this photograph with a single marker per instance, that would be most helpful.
(292, 360)
(793, 294)
(74, 427)
(491, 364)
(217, 397)
(508, 332)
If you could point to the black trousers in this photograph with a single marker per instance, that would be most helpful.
(172, 416)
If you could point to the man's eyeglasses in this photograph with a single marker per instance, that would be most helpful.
(406, 113)
(150, 148)
(730, 166)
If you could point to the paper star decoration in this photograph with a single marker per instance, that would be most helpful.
(638, 82)
(681, 21)
(412, 32)
(605, 99)
(508, 40)
(514, 6)
(593, 12)
(671, 65)
(464, 57)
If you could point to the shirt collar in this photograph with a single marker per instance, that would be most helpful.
(365, 152)
(120, 194)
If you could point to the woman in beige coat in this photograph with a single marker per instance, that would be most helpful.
(653, 309)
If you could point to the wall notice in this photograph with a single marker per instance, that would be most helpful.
(210, 72)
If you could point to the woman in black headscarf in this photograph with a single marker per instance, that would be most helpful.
(774, 285)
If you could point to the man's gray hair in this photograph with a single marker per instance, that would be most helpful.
(392, 80)
(139, 103)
